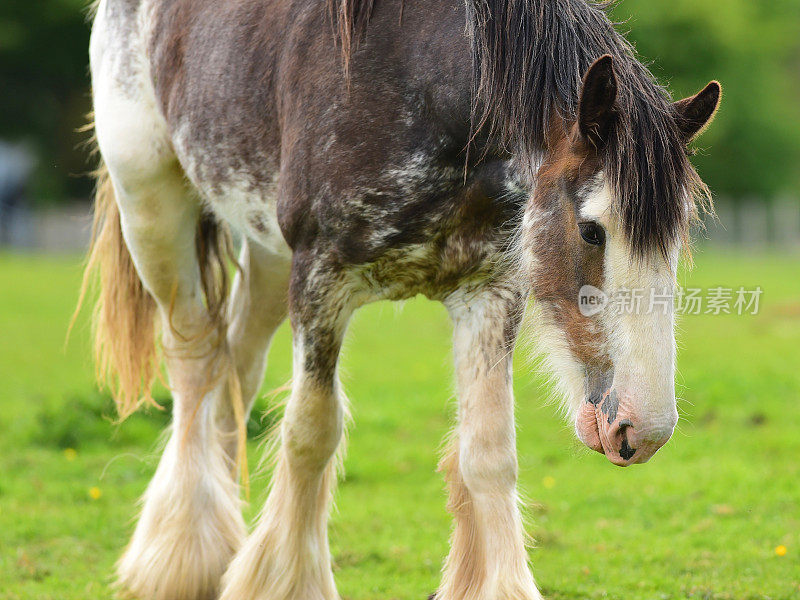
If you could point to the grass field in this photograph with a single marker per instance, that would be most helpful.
(709, 517)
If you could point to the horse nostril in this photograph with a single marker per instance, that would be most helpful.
(625, 450)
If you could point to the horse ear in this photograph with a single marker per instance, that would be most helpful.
(596, 106)
(696, 112)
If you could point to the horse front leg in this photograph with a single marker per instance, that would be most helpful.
(488, 558)
(287, 555)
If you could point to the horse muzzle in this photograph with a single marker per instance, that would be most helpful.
(610, 425)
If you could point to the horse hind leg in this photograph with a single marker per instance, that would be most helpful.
(190, 524)
(257, 307)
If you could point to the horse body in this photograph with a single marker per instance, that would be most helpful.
(373, 166)
(349, 182)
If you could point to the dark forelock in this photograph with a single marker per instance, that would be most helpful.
(532, 72)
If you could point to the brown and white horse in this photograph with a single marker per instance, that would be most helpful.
(479, 153)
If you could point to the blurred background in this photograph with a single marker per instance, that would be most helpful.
(750, 157)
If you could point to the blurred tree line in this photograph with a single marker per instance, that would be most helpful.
(44, 90)
(751, 46)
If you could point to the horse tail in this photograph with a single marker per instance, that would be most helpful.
(125, 320)
(124, 317)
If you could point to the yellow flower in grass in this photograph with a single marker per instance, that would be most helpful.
(781, 550)
(70, 454)
(549, 482)
(95, 493)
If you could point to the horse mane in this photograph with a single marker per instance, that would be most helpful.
(530, 57)
(531, 72)
(349, 19)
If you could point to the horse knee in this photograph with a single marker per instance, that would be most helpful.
(313, 427)
(487, 463)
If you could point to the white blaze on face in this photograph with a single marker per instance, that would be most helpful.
(638, 321)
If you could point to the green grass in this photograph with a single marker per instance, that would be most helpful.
(701, 520)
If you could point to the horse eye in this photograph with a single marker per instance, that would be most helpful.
(592, 233)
